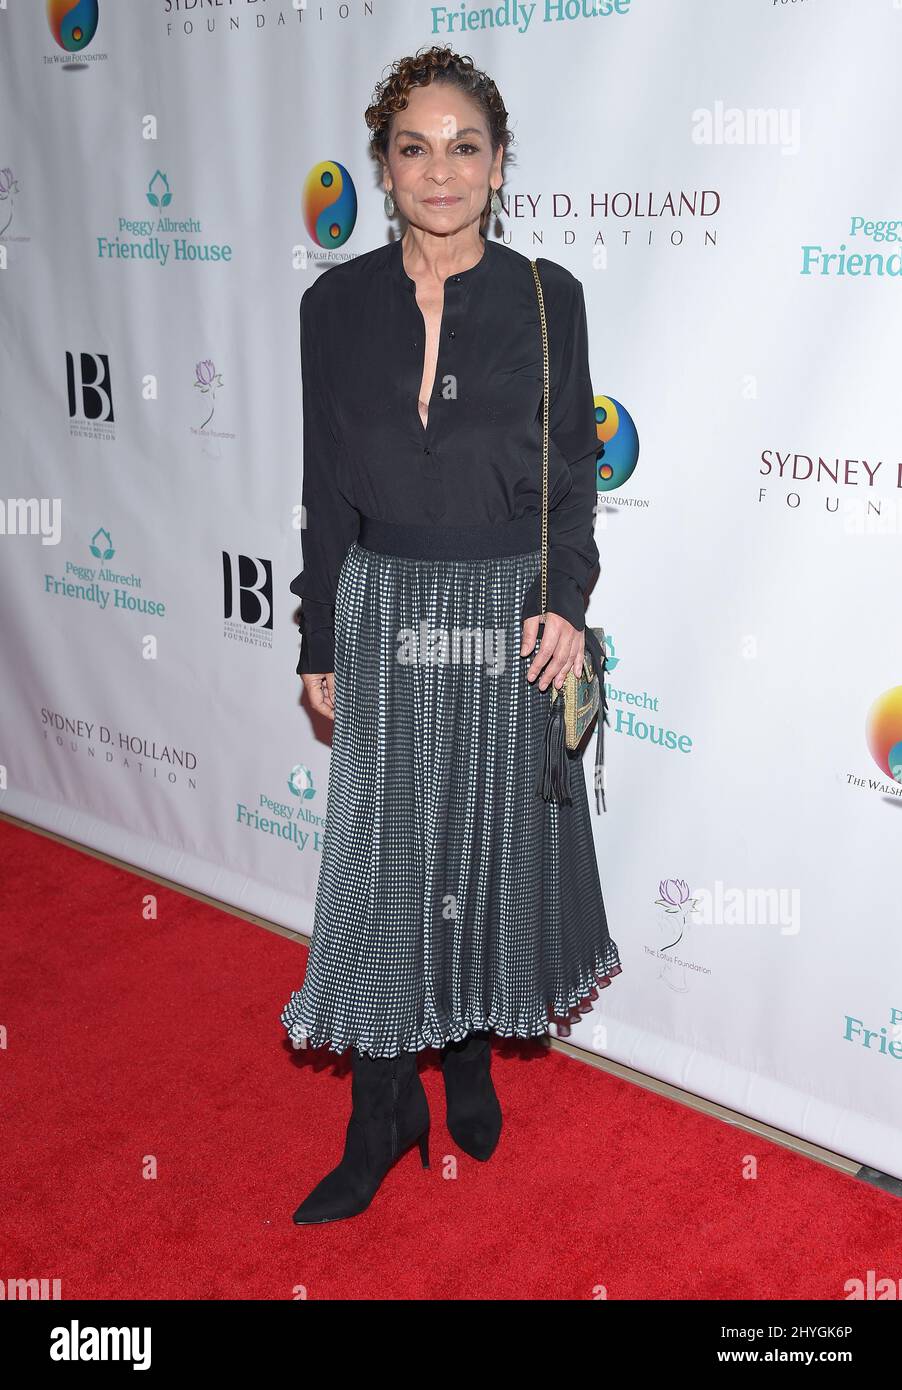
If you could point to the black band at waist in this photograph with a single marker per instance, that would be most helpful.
(520, 536)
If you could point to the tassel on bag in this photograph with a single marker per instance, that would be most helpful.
(554, 777)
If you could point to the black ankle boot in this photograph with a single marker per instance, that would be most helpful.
(473, 1109)
(389, 1113)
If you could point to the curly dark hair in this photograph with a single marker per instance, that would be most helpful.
(425, 67)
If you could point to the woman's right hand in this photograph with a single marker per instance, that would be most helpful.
(321, 690)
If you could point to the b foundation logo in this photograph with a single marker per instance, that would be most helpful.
(102, 584)
(883, 735)
(293, 820)
(329, 204)
(247, 600)
(89, 391)
(160, 237)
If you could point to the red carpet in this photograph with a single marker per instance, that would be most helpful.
(134, 1042)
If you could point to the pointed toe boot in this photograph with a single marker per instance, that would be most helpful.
(473, 1108)
(389, 1113)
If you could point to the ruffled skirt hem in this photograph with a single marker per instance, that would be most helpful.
(338, 1034)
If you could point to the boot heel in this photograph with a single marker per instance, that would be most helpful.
(387, 1102)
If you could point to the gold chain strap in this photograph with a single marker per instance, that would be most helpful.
(545, 392)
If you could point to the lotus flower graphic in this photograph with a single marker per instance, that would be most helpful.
(206, 379)
(675, 898)
(8, 186)
(102, 545)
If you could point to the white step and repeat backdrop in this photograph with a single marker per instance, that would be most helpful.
(720, 177)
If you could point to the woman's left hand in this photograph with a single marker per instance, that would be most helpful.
(561, 649)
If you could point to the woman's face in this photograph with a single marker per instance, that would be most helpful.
(440, 159)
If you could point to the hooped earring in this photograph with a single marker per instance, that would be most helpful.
(388, 203)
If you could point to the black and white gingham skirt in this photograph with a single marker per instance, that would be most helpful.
(451, 897)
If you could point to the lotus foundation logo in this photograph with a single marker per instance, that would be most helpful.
(161, 238)
(678, 906)
(716, 905)
(206, 379)
(329, 204)
(9, 187)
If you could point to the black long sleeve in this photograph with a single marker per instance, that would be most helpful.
(572, 551)
(330, 521)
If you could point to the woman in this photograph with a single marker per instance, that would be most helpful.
(453, 901)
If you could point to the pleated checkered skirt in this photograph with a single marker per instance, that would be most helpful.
(451, 897)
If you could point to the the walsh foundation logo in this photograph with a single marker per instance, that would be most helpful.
(329, 204)
(619, 440)
(160, 236)
(73, 23)
(883, 736)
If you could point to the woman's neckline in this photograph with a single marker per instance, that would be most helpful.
(456, 276)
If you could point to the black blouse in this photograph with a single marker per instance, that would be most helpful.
(479, 459)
